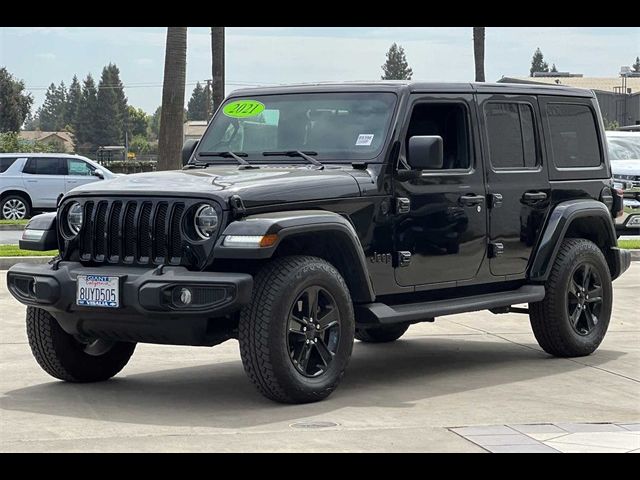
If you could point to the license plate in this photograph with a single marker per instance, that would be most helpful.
(98, 291)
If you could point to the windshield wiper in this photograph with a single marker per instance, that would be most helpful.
(236, 156)
(296, 153)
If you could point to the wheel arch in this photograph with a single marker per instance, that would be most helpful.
(583, 218)
(15, 191)
(326, 235)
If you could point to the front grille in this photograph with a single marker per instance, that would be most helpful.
(132, 231)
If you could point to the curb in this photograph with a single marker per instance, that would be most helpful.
(7, 262)
(12, 228)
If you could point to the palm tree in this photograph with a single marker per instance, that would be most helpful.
(478, 52)
(172, 114)
(217, 65)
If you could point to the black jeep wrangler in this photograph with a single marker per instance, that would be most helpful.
(310, 215)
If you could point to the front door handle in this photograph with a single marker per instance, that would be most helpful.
(470, 200)
(534, 196)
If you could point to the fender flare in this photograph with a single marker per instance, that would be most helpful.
(291, 223)
(556, 229)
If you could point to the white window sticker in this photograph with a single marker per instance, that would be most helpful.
(364, 140)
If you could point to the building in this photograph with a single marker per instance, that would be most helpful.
(194, 129)
(619, 97)
(63, 142)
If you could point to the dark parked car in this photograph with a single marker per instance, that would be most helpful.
(311, 215)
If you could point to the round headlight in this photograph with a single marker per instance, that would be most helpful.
(74, 218)
(206, 221)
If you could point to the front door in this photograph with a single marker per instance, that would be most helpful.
(441, 223)
(517, 184)
(79, 173)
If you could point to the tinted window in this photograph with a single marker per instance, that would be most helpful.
(448, 120)
(511, 136)
(79, 167)
(45, 166)
(574, 137)
(5, 163)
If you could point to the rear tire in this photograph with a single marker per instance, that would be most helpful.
(574, 316)
(65, 357)
(286, 363)
(15, 207)
(381, 334)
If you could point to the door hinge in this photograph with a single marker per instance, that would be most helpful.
(495, 249)
(403, 205)
(495, 200)
(404, 258)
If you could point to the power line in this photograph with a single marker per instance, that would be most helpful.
(156, 85)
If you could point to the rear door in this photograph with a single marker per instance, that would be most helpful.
(44, 179)
(79, 172)
(517, 182)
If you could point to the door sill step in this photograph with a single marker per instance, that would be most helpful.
(371, 314)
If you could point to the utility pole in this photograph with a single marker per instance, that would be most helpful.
(217, 65)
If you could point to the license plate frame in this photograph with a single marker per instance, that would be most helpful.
(107, 294)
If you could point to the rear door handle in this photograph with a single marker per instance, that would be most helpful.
(470, 199)
(534, 196)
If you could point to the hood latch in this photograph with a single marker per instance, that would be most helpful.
(237, 206)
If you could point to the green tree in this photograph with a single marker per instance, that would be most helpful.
(53, 112)
(74, 98)
(111, 108)
(32, 122)
(137, 121)
(10, 142)
(86, 123)
(15, 105)
(636, 65)
(199, 106)
(537, 63)
(553, 68)
(396, 66)
(139, 145)
(172, 117)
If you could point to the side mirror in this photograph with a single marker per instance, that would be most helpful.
(99, 173)
(425, 152)
(187, 150)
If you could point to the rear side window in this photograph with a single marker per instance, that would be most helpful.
(574, 136)
(45, 166)
(511, 135)
(6, 162)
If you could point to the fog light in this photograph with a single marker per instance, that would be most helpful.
(185, 296)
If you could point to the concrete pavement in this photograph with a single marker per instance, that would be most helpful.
(463, 370)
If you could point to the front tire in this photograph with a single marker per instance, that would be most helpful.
(296, 336)
(69, 358)
(382, 334)
(574, 316)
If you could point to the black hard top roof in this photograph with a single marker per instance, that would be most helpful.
(417, 87)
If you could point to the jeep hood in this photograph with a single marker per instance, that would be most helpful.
(259, 186)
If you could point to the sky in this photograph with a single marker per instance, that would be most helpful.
(276, 55)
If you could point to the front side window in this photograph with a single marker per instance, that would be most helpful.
(447, 120)
(45, 166)
(79, 167)
(574, 136)
(336, 126)
(510, 135)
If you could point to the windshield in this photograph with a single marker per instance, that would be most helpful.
(331, 126)
(624, 148)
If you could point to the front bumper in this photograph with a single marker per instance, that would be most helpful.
(147, 312)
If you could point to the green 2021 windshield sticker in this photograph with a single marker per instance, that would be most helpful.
(243, 108)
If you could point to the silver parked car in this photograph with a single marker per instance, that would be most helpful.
(624, 153)
(36, 181)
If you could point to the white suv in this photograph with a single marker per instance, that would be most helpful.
(36, 181)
